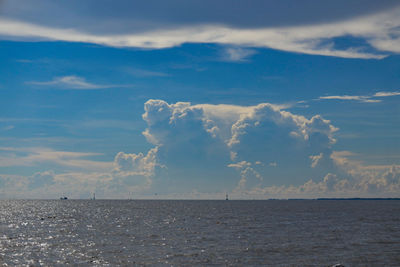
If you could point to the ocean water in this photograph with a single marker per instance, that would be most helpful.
(186, 233)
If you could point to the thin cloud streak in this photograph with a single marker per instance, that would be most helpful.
(73, 82)
(146, 73)
(384, 94)
(360, 98)
(365, 99)
(30, 156)
(8, 128)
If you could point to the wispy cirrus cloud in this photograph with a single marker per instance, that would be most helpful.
(146, 73)
(8, 128)
(361, 98)
(30, 156)
(384, 94)
(238, 54)
(73, 82)
(24, 60)
(366, 99)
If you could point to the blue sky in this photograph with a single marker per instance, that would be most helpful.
(195, 99)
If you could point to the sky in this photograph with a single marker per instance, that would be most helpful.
(198, 99)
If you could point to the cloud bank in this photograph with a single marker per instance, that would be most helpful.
(79, 177)
(261, 151)
(378, 31)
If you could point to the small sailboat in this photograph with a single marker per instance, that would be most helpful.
(94, 196)
(226, 197)
(63, 198)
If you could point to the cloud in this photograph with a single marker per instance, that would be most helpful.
(134, 171)
(357, 178)
(48, 184)
(259, 151)
(365, 99)
(198, 141)
(385, 94)
(146, 73)
(352, 179)
(241, 137)
(128, 173)
(247, 175)
(123, 16)
(238, 54)
(24, 60)
(361, 98)
(378, 30)
(315, 159)
(8, 128)
(189, 143)
(296, 126)
(195, 147)
(31, 156)
(72, 82)
(41, 179)
(239, 165)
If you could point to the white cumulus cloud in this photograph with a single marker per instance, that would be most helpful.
(134, 170)
(204, 138)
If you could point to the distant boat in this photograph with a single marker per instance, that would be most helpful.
(226, 197)
(94, 196)
(63, 198)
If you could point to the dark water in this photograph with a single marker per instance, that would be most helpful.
(240, 233)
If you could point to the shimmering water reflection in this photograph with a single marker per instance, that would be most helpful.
(272, 233)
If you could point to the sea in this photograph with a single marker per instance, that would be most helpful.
(200, 232)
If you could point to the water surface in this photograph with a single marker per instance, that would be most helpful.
(157, 232)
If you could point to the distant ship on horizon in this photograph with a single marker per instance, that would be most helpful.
(63, 198)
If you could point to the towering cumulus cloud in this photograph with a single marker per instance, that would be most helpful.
(259, 151)
(210, 141)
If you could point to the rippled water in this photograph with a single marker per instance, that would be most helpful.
(275, 233)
